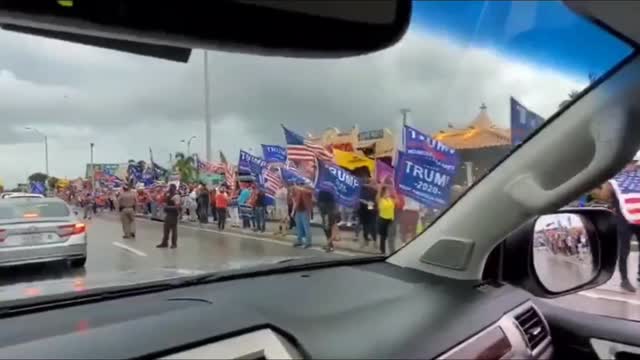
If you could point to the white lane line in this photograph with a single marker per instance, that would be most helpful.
(128, 248)
(594, 295)
(265, 239)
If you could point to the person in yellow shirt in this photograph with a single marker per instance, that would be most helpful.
(386, 210)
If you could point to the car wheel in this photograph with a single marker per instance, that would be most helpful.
(76, 263)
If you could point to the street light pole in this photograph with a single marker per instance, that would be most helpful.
(188, 142)
(46, 155)
(207, 119)
(404, 112)
(46, 147)
(93, 170)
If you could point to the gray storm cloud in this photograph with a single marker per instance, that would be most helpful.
(126, 103)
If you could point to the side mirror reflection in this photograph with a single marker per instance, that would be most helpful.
(565, 248)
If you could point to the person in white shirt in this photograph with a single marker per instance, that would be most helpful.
(282, 210)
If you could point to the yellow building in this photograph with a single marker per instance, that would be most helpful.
(480, 145)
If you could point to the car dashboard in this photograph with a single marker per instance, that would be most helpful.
(374, 310)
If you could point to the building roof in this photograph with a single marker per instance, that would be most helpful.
(481, 133)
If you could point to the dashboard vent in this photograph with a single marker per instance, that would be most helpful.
(532, 326)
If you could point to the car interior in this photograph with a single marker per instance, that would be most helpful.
(466, 288)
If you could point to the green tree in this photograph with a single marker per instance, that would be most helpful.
(185, 166)
(38, 177)
(52, 182)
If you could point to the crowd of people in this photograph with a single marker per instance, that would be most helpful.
(381, 216)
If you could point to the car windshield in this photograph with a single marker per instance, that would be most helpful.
(233, 160)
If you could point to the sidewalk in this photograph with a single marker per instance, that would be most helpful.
(348, 241)
(614, 283)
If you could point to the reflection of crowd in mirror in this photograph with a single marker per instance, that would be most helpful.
(567, 242)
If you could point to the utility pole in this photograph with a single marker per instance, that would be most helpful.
(207, 119)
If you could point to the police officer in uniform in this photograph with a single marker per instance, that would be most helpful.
(171, 211)
(127, 205)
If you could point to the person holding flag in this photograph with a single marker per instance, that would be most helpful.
(302, 210)
(386, 213)
(623, 194)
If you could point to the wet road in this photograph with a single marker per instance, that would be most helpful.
(202, 250)
(560, 273)
(199, 250)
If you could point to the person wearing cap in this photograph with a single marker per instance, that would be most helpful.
(172, 213)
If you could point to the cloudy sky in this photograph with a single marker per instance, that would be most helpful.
(448, 64)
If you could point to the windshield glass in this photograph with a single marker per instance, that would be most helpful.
(250, 160)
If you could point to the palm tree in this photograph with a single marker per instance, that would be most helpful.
(574, 93)
(185, 166)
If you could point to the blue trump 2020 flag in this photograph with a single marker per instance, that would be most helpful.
(251, 163)
(274, 154)
(291, 176)
(423, 179)
(523, 122)
(342, 184)
(419, 143)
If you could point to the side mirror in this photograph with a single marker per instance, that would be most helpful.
(565, 252)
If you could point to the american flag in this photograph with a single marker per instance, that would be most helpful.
(301, 149)
(273, 181)
(229, 172)
(627, 188)
(210, 167)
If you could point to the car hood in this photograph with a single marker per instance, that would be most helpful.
(26, 284)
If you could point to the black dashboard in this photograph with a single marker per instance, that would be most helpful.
(374, 310)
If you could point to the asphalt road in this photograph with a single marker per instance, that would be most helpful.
(201, 250)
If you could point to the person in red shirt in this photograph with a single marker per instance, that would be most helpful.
(222, 202)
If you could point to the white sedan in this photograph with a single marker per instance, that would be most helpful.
(35, 230)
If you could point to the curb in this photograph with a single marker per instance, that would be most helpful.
(289, 238)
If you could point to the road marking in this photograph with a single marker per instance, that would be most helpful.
(592, 294)
(129, 248)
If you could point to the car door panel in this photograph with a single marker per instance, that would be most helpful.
(582, 335)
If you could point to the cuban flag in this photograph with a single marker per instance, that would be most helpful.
(627, 188)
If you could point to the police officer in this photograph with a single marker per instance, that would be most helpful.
(171, 211)
(127, 205)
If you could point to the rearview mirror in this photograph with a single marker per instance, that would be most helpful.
(309, 28)
(565, 252)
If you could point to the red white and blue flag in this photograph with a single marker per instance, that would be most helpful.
(301, 149)
(273, 181)
(627, 188)
(210, 167)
